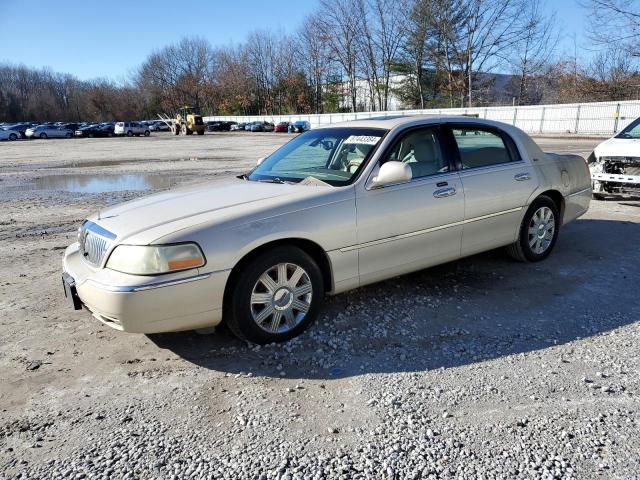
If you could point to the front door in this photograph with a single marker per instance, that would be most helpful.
(410, 226)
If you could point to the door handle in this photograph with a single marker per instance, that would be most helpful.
(444, 192)
(520, 177)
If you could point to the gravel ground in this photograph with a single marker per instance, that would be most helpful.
(481, 368)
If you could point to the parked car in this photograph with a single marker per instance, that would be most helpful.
(247, 126)
(19, 128)
(615, 164)
(213, 127)
(238, 127)
(299, 126)
(131, 128)
(48, 131)
(260, 251)
(220, 126)
(71, 126)
(257, 127)
(260, 126)
(6, 134)
(281, 127)
(96, 131)
(159, 126)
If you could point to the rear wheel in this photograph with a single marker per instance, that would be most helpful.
(275, 297)
(13, 136)
(147, 133)
(538, 231)
(43, 135)
(69, 135)
(129, 133)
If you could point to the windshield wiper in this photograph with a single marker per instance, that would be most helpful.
(271, 180)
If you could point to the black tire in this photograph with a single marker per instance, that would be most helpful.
(43, 136)
(69, 135)
(598, 196)
(238, 307)
(200, 132)
(129, 133)
(521, 250)
(13, 137)
(147, 133)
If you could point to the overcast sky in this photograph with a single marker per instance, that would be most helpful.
(111, 38)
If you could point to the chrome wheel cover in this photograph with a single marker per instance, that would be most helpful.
(281, 297)
(541, 230)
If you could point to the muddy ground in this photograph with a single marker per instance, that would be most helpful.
(478, 368)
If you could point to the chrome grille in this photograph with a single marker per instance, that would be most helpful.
(94, 242)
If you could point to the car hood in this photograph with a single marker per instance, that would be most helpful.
(145, 219)
(618, 147)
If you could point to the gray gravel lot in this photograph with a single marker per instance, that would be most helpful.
(481, 368)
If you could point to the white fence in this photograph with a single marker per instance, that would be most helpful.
(603, 118)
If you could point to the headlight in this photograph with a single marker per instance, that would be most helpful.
(155, 259)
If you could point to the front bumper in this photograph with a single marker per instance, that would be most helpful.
(615, 178)
(143, 304)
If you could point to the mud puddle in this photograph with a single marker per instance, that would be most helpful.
(101, 183)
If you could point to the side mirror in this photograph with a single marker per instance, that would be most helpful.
(260, 160)
(392, 173)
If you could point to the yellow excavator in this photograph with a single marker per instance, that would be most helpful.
(188, 122)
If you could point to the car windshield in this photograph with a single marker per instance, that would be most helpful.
(631, 131)
(333, 155)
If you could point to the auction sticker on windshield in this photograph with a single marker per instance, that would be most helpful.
(363, 139)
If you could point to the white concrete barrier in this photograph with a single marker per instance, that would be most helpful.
(601, 118)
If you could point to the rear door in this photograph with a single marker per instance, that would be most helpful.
(497, 182)
(409, 226)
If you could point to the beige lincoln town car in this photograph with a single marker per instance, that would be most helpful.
(335, 208)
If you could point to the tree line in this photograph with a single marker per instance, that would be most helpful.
(351, 55)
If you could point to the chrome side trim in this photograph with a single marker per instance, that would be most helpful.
(148, 286)
(580, 192)
(426, 230)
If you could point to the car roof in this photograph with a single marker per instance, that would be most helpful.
(391, 122)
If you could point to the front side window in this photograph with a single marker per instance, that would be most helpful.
(480, 148)
(333, 155)
(420, 150)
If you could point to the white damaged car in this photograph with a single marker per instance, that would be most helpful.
(615, 163)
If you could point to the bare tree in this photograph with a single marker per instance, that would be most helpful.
(621, 19)
(178, 74)
(382, 34)
(341, 29)
(315, 56)
(417, 22)
(535, 49)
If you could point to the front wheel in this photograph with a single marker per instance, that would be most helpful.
(69, 135)
(538, 231)
(43, 135)
(200, 132)
(13, 137)
(275, 297)
(147, 133)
